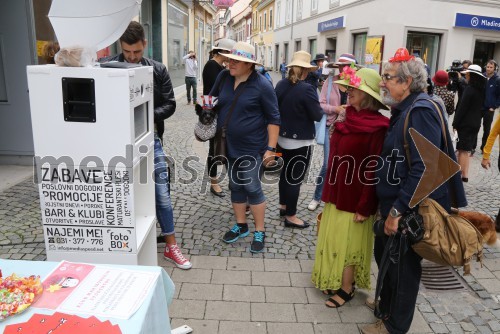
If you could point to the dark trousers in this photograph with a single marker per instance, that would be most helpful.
(212, 163)
(487, 119)
(400, 289)
(295, 164)
(191, 83)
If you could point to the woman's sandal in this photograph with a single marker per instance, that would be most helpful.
(329, 292)
(343, 295)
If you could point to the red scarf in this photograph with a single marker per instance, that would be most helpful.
(363, 121)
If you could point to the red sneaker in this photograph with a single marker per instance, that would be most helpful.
(173, 253)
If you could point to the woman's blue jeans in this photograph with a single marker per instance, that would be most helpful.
(164, 211)
(321, 176)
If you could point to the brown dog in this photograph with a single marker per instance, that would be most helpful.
(485, 225)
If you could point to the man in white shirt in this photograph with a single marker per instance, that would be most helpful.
(191, 70)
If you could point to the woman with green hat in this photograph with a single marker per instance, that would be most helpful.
(345, 240)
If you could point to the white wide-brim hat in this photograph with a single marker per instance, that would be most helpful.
(242, 51)
(302, 59)
(225, 44)
(476, 69)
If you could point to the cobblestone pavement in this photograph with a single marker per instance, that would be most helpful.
(273, 300)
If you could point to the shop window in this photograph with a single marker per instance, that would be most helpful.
(298, 45)
(359, 47)
(178, 33)
(313, 47)
(425, 46)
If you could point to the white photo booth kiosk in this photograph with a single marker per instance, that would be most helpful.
(94, 145)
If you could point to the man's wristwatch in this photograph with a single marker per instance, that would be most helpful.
(272, 149)
(394, 213)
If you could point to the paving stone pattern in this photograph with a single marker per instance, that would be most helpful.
(231, 290)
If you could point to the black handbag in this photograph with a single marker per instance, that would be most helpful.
(220, 141)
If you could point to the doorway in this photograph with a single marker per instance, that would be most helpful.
(484, 51)
(331, 49)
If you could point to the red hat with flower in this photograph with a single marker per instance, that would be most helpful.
(401, 54)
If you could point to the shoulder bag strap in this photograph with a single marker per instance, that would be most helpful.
(229, 114)
(443, 132)
(405, 127)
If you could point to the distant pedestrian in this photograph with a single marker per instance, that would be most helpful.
(191, 71)
(492, 98)
(283, 69)
(313, 77)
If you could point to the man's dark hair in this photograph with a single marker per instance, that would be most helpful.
(133, 34)
(468, 62)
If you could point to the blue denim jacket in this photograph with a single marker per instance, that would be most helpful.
(397, 182)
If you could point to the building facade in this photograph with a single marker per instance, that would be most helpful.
(263, 31)
(438, 31)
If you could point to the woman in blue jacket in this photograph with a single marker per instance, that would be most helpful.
(299, 109)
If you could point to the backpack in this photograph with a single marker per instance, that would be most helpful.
(448, 239)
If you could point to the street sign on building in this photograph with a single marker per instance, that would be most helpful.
(336, 23)
(477, 22)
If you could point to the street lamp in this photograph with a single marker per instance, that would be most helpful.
(222, 20)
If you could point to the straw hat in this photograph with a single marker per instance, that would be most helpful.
(440, 78)
(225, 44)
(476, 69)
(243, 52)
(302, 59)
(366, 80)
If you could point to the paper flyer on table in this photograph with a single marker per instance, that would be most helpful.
(61, 282)
(110, 292)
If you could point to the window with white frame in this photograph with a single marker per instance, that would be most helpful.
(299, 10)
(278, 13)
(314, 6)
(271, 19)
(288, 11)
(334, 3)
(265, 21)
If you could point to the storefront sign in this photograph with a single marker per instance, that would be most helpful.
(477, 22)
(336, 23)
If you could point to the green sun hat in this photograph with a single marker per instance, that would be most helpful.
(364, 79)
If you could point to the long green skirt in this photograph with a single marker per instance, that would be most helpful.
(342, 242)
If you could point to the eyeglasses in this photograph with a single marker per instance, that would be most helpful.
(234, 61)
(349, 89)
(386, 77)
